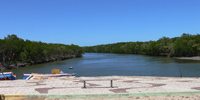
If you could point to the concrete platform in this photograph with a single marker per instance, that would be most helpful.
(124, 86)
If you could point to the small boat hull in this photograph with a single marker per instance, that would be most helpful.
(7, 76)
(31, 76)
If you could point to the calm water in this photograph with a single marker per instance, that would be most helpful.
(102, 64)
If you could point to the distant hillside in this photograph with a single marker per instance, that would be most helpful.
(185, 46)
(16, 52)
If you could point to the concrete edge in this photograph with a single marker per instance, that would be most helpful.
(117, 95)
(83, 96)
(12, 96)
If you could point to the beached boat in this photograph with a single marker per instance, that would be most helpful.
(55, 73)
(7, 76)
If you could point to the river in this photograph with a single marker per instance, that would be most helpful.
(106, 64)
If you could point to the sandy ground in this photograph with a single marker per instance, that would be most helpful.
(101, 85)
(188, 58)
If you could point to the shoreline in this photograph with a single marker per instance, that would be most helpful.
(195, 58)
(24, 64)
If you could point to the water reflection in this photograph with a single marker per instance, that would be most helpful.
(104, 64)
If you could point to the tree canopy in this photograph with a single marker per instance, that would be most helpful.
(186, 45)
(14, 49)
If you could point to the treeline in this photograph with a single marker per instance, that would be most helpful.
(16, 52)
(185, 46)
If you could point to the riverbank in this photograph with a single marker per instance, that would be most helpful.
(123, 87)
(189, 58)
(47, 60)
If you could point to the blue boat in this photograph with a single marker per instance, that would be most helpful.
(7, 76)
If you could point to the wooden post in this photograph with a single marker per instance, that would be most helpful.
(111, 83)
(84, 85)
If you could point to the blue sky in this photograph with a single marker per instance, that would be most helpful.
(94, 22)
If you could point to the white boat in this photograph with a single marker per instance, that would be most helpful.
(38, 75)
(31, 76)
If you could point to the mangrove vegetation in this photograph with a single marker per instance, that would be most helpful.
(16, 52)
(185, 46)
